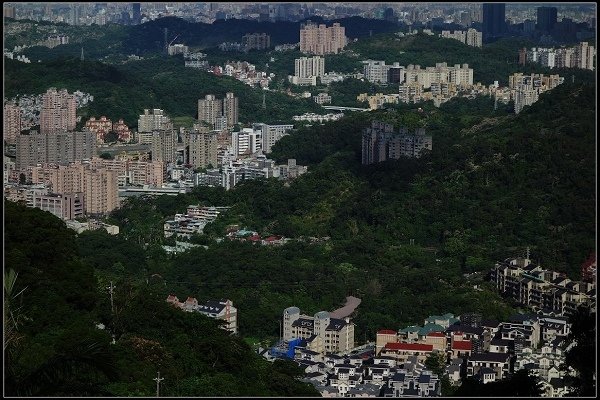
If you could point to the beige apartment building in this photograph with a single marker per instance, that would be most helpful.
(98, 185)
(321, 40)
(154, 121)
(209, 109)
(337, 334)
(231, 109)
(12, 122)
(133, 172)
(58, 112)
(164, 146)
(200, 149)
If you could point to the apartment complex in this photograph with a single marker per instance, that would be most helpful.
(58, 112)
(258, 41)
(470, 37)
(231, 109)
(321, 40)
(458, 74)
(12, 122)
(533, 286)
(200, 149)
(246, 142)
(64, 206)
(380, 143)
(307, 70)
(337, 334)
(525, 89)
(57, 148)
(579, 56)
(100, 127)
(271, 134)
(98, 185)
(154, 120)
(164, 146)
(376, 71)
(219, 113)
(133, 172)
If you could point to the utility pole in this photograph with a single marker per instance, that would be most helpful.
(158, 379)
(111, 289)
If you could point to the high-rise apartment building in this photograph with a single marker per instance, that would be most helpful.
(473, 38)
(100, 191)
(60, 148)
(209, 109)
(133, 172)
(201, 149)
(58, 112)
(247, 141)
(376, 71)
(271, 134)
(546, 18)
(258, 41)
(305, 67)
(584, 56)
(12, 122)
(231, 109)
(441, 73)
(98, 185)
(164, 146)
(494, 20)
(380, 143)
(154, 121)
(321, 40)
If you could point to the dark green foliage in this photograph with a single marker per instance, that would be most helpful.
(492, 62)
(124, 91)
(582, 356)
(58, 351)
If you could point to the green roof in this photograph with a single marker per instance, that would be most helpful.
(429, 327)
(410, 329)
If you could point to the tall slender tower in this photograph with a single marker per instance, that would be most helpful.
(82, 58)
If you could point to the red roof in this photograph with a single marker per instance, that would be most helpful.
(436, 334)
(386, 332)
(462, 345)
(272, 238)
(254, 238)
(409, 346)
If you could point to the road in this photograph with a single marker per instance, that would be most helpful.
(351, 304)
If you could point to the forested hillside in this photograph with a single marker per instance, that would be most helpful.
(493, 185)
(124, 91)
(54, 347)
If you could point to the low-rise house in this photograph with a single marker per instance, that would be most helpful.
(499, 362)
(402, 351)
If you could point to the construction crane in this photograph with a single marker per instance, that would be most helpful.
(170, 43)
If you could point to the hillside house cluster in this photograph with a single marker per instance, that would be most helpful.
(219, 309)
(488, 350)
(541, 289)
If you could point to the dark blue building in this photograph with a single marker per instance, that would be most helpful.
(494, 20)
(137, 13)
(546, 18)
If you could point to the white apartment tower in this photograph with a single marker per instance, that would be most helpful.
(306, 67)
(153, 121)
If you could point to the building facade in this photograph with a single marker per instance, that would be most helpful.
(58, 113)
(12, 122)
(321, 40)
